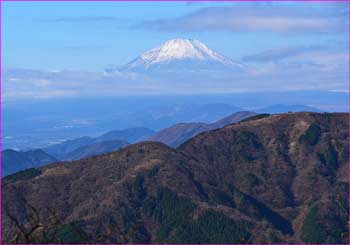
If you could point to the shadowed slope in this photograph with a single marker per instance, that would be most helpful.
(253, 181)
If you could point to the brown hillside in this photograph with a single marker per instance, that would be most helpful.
(278, 179)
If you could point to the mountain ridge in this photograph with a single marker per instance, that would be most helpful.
(177, 134)
(253, 176)
(19, 160)
(130, 135)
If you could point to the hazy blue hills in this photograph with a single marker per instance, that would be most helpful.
(60, 150)
(130, 135)
(95, 149)
(38, 128)
(13, 161)
(174, 135)
(111, 140)
(73, 149)
(83, 147)
(179, 133)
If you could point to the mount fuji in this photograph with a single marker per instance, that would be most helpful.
(180, 55)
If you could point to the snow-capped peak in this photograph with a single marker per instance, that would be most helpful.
(177, 50)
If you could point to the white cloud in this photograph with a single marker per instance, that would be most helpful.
(280, 69)
(278, 18)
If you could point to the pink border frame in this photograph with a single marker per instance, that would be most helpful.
(158, 1)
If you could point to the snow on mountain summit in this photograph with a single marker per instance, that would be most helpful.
(186, 52)
(180, 49)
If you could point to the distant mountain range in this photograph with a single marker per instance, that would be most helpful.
(179, 133)
(83, 147)
(156, 113)
(14, 161)
(272, 179)
(95, 149)
(130, 135)
(173, 136)
(68, 150)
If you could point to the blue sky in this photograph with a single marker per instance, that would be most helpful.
(89, 36)
(80, 35)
